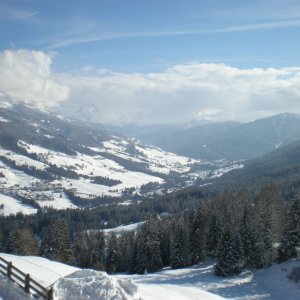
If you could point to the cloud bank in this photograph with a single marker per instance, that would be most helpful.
(188, 92)
(176, 95)
(26, 76)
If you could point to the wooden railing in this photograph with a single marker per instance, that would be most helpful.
(24, 280)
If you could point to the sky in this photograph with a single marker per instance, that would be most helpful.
(148, 62)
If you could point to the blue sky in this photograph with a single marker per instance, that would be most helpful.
(214, 59)
(151, 35)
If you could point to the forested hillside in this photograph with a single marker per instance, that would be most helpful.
(239, 230)
(227, 140)
(280, 166)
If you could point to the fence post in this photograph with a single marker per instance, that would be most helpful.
(50, 294)
(27, 283)
(9, 269)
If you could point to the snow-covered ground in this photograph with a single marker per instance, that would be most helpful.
(58, 201)
(121, 229)
(199, 282)
(223, 170)
(191, 283)
(14, 177)
(4, 120)
(42, 270)
(22, 160)
(129, 164)
(11, 206)
(10, 290)
(90, 284)
(85, 165)
(158, 160)
(69, 283)
(4, 104)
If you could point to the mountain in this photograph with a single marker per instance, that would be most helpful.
(281, 166)
(50, 160)
(228, 140)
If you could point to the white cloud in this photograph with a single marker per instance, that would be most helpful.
(26, 76)
(10, 12)
(78, 39)
(178, 94)
(207, 113)
(184, 92)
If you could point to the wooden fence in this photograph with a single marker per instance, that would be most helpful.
(24, 280)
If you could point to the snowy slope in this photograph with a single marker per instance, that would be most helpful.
(124, 228)
(11, 206)
(11, 291)
(44, 271)
(53, 161)
(199, 282)
(192, 283)
(70, 283)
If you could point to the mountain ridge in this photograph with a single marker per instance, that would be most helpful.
(48, 160)
(225, 140)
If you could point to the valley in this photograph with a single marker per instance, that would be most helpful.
(44, 162)
(149, 150)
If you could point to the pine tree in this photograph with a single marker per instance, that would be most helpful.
(267, 225)
(141, 251)
(26, 243)
(13, 236)
(165, 241)
(112, 254)
(100, 251)
(1, 241)
(213, 235)
(153, 245)
(229, 255)
(197, 237)
(82, 250)
(92, 246)
(177, 257)
(132, 268)
(148, 258)
(248, 236)
(126, 244)
(57, 243)
(290, 242)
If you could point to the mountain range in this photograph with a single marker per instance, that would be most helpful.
(280, 167)
(50, 160)
(226, 140)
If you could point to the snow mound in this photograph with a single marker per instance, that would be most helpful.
(90, 284)
(10, 290)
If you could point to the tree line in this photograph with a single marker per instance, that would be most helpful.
(237, 230)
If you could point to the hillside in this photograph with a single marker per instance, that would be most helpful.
(68, 282)
(228, 140)
(196, 282)
(281, 166)
(49, 160)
